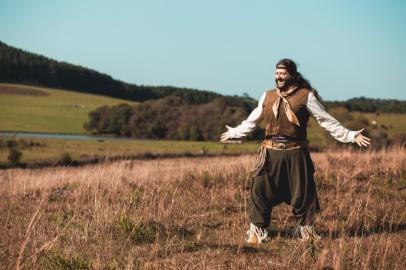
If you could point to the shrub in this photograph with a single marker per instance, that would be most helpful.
(3, 143)
(400, 139)
(65, 159)
(11, 143)
(14, 155)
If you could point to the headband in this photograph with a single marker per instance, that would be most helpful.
(281, 66)
(293, 72)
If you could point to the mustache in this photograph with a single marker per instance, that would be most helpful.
(287, 81)
(280, 80)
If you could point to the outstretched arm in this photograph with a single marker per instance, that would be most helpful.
(246, 126)
(329, 123)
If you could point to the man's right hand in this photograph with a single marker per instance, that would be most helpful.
(226, 135)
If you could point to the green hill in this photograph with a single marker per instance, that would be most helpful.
(39, 109)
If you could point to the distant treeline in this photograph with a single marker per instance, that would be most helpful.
(19, 66)
(363, 104)
(168, 118)
(171, 118)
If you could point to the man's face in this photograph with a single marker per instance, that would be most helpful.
(282, 78)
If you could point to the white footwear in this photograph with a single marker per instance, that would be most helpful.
(307, 232)
(257, 235)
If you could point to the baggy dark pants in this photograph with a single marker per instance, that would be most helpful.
(287, 176)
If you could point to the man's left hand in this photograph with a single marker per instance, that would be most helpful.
(362, 140)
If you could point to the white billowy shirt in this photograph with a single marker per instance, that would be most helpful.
(325, 120)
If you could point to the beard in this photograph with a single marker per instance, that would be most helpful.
(286, 83)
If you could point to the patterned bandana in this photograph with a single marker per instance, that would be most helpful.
(288, 109)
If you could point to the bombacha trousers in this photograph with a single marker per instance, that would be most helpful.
(286, 176)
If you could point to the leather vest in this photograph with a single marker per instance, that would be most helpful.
(281, 124)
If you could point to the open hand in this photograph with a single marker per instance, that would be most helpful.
(226, 135)
(362, 140)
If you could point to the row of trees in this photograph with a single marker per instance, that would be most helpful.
(173, 118)
(168, 118)
(371, 105)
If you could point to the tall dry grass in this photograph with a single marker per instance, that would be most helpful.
(192, 214)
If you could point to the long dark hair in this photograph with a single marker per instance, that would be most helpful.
(291, 67)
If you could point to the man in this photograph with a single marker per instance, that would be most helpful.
(284, 170)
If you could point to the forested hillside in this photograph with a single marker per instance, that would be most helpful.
(19, 66)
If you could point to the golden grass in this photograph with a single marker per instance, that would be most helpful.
(190, 213)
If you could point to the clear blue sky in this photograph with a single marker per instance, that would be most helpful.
(345, 48)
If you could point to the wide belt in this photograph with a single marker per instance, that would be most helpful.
(283, 145)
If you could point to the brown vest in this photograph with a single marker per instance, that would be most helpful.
(281, 125)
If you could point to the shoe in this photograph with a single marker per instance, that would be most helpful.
(257, 235)
(307, 232)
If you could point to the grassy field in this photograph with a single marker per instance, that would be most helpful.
(187, 213)
(52, 149)
(56, 111)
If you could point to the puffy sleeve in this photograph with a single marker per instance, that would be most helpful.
(249, 124)
(328, 122)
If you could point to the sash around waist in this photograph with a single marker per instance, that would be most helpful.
(280, 138)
